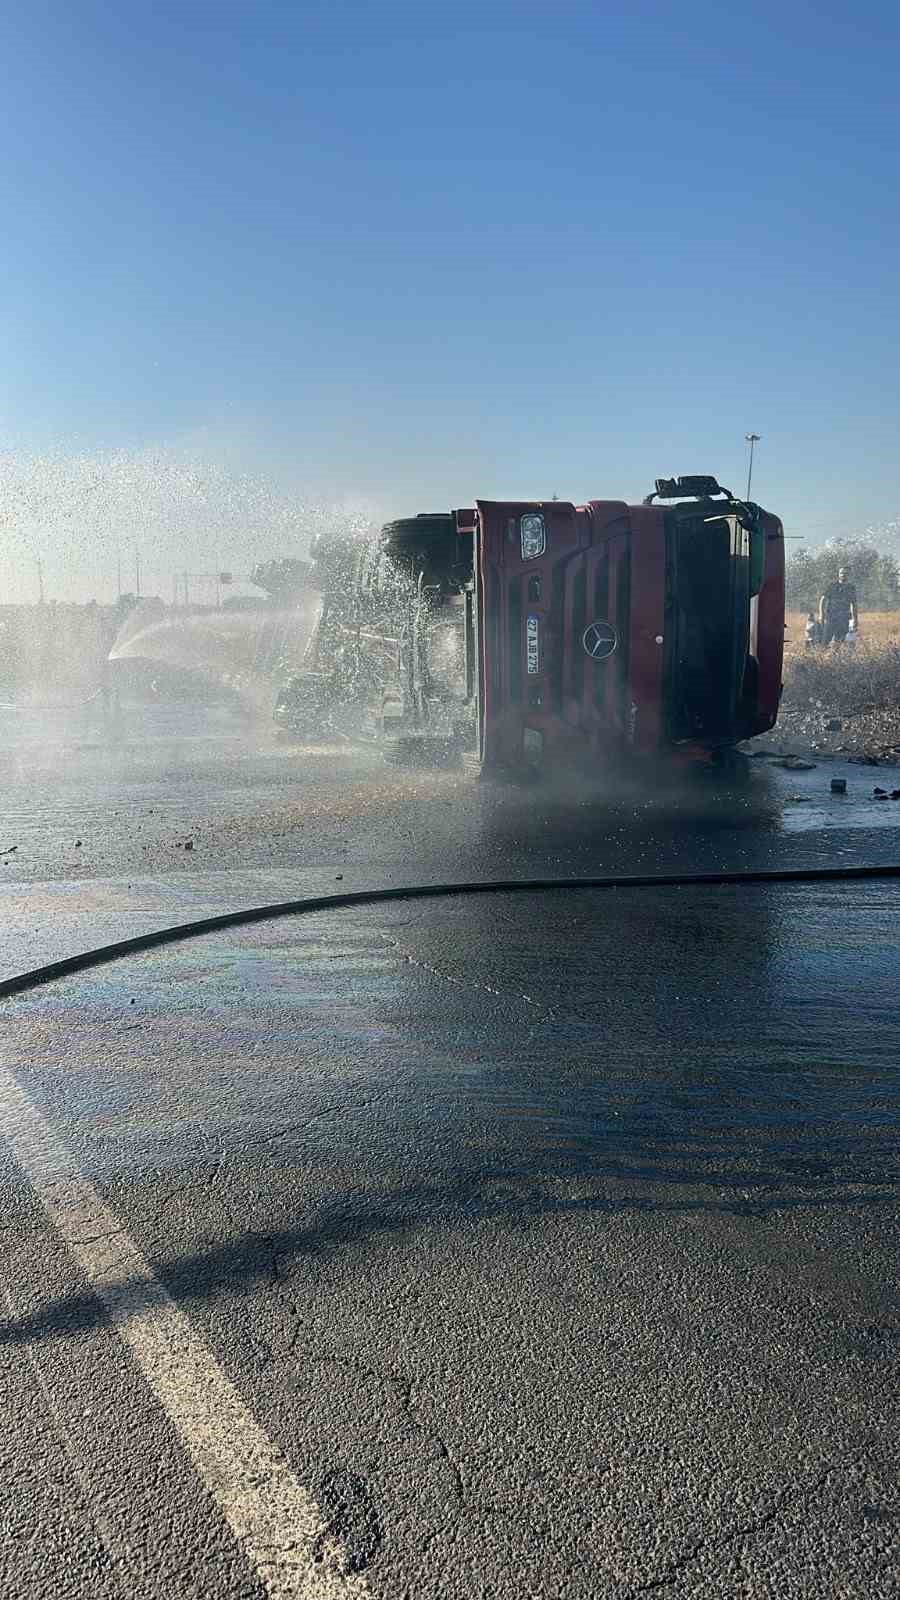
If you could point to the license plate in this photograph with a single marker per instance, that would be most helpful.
(532, 644)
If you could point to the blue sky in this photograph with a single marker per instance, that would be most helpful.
(405, 254)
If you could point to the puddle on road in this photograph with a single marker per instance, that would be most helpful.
(551, 1039)
(677, 1040)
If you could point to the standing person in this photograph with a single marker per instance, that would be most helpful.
(838, 610)
(813, 631)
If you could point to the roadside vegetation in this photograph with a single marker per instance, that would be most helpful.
(857, 687)
(875, 574)
(844, 698)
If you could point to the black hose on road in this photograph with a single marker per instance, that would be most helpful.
(422, 891)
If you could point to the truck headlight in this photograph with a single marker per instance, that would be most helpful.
(532, 535)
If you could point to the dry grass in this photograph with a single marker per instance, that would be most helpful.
(846, 681)
(876, 628)
(858, 687)
(866, 676)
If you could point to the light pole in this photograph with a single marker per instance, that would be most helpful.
(752, 439)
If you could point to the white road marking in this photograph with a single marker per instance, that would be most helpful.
(276, 1522)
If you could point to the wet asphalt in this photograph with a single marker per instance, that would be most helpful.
(553, 1239)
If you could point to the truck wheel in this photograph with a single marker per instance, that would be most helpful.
(428, 541)
(424, 529)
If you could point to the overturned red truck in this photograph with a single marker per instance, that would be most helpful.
(541, 634)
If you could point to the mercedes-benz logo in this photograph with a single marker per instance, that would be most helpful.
(599, 640)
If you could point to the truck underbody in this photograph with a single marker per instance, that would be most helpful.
(392, 657)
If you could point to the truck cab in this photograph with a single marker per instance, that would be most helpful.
(611, 629)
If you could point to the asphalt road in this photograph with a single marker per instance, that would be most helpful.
(533, 1245)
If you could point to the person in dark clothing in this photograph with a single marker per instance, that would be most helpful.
(838, 610)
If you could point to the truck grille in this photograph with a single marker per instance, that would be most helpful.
(601, 611)
(622, 657)
(579, 623)
(516, 645)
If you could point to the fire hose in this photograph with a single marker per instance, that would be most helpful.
(102, 954)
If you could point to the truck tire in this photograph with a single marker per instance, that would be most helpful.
(428, 541)
(424, 529)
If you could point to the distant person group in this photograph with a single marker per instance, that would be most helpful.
(838, 619)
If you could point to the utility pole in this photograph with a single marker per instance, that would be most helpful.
(752, 439)
(137, 572)
(118, 573)
(40, 567)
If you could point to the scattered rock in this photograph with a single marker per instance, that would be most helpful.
(188, 844)
(10, 850)
(795, 764)
(880, 794)
(833, 725)
(77, 844)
